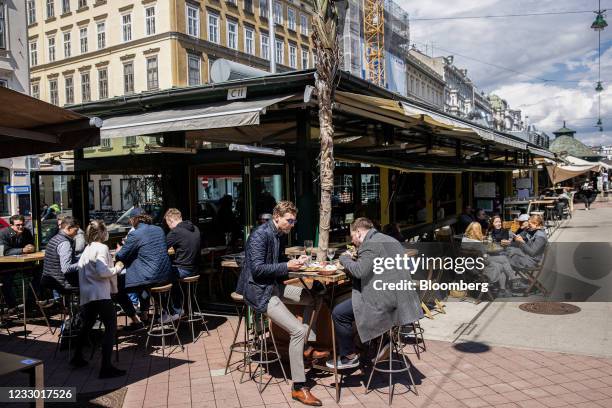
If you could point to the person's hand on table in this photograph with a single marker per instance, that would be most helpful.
(294, 265)
(303, 259)
(505, 242)
(28, 249)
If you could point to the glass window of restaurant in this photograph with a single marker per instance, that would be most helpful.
(407, 198)
(444, 195)
(356, 194)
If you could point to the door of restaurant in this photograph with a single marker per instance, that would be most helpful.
(54, 194)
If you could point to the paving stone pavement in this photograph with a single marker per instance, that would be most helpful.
(447, 375)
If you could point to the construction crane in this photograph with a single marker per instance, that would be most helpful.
(374, 37)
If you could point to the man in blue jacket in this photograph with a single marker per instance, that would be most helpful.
(264, 269)
(145, 255)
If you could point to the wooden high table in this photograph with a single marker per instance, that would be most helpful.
(12, 363)
(334, 281)
(23, 261)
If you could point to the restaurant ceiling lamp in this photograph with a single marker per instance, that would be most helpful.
(169, 149)
(599, 86)
(256, 150)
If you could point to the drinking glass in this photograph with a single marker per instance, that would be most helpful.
(331, 252)
(308, 244)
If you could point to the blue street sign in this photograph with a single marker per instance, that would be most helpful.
(20, 173)
(16, 189)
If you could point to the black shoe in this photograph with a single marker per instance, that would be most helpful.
(111, 372)
(78, 362)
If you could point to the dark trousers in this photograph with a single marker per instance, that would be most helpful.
(343, 317)
(177, 295)
(105, 310)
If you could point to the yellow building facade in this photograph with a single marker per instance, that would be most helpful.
(87, 50)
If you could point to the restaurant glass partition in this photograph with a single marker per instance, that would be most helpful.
(444, 195)
(407, 198)
(54, 194)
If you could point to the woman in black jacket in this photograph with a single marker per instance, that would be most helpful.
(498, 233)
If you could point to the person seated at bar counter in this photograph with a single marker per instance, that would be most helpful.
(60, 267)
(16, 240)
(145, 255)
(264, 269)
(184, 237)
(374, 311)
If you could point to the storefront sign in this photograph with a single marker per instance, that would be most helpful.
(237, 93)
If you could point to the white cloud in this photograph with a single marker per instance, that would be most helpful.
(561, 47)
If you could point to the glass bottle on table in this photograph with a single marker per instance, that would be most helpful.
(308, 247)
(331, 252)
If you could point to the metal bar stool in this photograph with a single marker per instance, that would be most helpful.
(241, 346)
(413, 331)
(260, 354)
(192, 298)
(68, 314)
(395, 347)
(158, 329)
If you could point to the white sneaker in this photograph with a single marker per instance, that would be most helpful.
(166, 318)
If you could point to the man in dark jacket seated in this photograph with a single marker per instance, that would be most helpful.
(264, 269)
(145, 255)
(372, 307)
(184, 238)
(60, 271)
(16, 240)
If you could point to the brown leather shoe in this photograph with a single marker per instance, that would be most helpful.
(311, 354)
(305, 397)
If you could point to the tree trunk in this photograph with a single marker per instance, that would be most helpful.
(326, 163)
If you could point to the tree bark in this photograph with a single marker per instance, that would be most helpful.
(326, 164)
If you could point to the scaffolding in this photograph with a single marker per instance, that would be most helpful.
(374, 38)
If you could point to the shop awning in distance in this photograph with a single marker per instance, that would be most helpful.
(31, 126)
(227, 114)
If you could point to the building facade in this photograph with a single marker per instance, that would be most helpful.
(424, 83)
(84, 50)
(505, 118)
(14, 75)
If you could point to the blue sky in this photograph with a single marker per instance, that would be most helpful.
(562, 49)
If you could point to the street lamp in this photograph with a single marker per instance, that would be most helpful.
(600, 23)
(599, 86)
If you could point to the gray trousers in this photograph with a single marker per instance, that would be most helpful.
(286, 320)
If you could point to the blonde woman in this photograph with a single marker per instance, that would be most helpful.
(97, 281)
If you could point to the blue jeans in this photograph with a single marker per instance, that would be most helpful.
(177, 295)
(343, 318)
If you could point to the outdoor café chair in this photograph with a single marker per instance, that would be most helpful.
(534, 275)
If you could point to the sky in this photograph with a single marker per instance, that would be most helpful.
(544, 65)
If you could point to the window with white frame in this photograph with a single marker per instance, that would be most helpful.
(292, 56)
(263, 8)
(232, 2)
(67, 44)
(131, 141)
(83, 39)
(51, 48)
(249, 43)
(152, 74)
(82, 3)
(51, 12)
(305, 62)
(69, 89)
(278, 13)
(128, 78)
(193, 67)
(105, 143)
(280, 54)
(213, 28)
(3, 41)
(291, 22)
(193, 21)
(232, 35)
(265, 46)
(65, 6)
(126, 27)
(103, 83)
(101, 34)
(304, 27)
(31, 11)
(85, 87)
(33, 53)
(150, 20)
(35, 90)
(53, 94)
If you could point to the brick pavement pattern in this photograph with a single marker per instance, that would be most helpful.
(446, 376)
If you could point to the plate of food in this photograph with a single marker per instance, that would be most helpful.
(328, 270)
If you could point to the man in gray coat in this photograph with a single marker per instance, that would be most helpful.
(373, 309)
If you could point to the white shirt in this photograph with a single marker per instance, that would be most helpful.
(97, 280)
